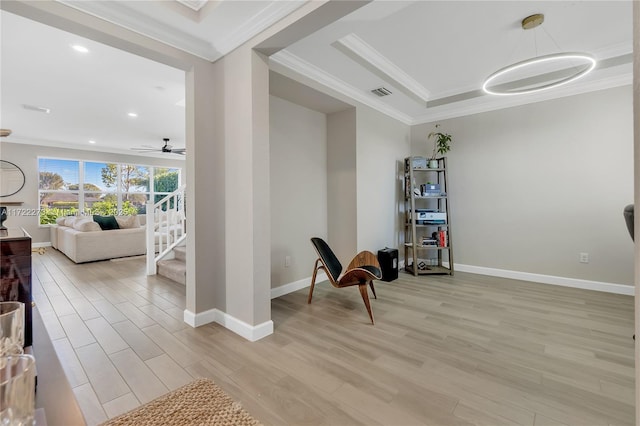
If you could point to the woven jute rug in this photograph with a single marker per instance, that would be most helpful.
(199, 403)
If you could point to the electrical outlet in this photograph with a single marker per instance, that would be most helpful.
(584, 257)
(287, 261)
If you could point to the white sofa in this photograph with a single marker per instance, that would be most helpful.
(82, 240)
(84, 243)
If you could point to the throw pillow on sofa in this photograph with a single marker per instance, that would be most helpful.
(128, 222)
(86, 225)
(106, 223)
(69, 221)
(60, 221)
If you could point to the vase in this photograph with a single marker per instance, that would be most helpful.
(17, 390)
(11, 327)
(433, 164)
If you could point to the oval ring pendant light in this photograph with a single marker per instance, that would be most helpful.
(570, 58)
(587, 64)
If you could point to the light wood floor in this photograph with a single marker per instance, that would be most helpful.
(463, 350)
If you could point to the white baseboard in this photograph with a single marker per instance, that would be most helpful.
(38, 245)
(241, 328)
(249, 332)
(257, 332)
(543, 279)
(296, 285)
(202, 318)
(548, 279)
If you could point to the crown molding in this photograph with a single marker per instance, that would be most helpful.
(120, 14)
(477, 105)
(268, 16)
(352, 45)
(291, 62)
(488, 103)
(613, 50)
(193, 4)
(601, 55)
(92, 148)
(124, 16)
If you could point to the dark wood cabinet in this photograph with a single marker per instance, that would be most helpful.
(15, 273)
(54, 397)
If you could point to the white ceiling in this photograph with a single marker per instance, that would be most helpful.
(209, 29)
(89, 94)
(433, 56)
(436, 50)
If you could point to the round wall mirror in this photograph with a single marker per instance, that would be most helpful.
(11, 178)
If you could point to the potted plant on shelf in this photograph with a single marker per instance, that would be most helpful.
(440, 145)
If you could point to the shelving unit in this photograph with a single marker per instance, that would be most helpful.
(427, 221)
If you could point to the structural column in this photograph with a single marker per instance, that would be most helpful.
(242, 93)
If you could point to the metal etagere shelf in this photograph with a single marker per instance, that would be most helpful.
(428, 244)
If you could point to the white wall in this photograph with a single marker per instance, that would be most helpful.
(533, 186)
(26, 157)
(382, 145)
(298, 156)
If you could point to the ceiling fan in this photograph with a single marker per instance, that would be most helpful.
(165, 148)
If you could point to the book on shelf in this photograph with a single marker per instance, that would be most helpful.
(443, 239)
(426, 242)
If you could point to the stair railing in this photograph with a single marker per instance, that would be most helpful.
(166, 224)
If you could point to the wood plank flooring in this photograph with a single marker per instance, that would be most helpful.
(462, 350)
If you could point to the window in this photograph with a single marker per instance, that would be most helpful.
(134, 181)
(72, 187)
(165, 181)
(58, 188)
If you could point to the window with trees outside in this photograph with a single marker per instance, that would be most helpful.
(75, 187)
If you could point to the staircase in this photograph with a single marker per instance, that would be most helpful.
(166, 231)
(175, 269)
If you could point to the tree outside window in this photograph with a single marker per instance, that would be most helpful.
(108, 188)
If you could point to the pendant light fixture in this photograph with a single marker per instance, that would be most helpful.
(538, 73)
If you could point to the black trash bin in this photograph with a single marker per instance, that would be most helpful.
(388, 259)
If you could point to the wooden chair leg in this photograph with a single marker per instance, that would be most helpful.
(373, 289)
(364, 292)
(313, 280)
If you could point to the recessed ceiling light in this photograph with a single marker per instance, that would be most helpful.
(92, 141)
(132, 114)
(79, 48)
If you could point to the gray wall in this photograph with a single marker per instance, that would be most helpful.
(298, 155)
(533, 186)
(334, 176)
(227, 119)
(382, 145)
(636, 129)
(26, 157)
(341, 184)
